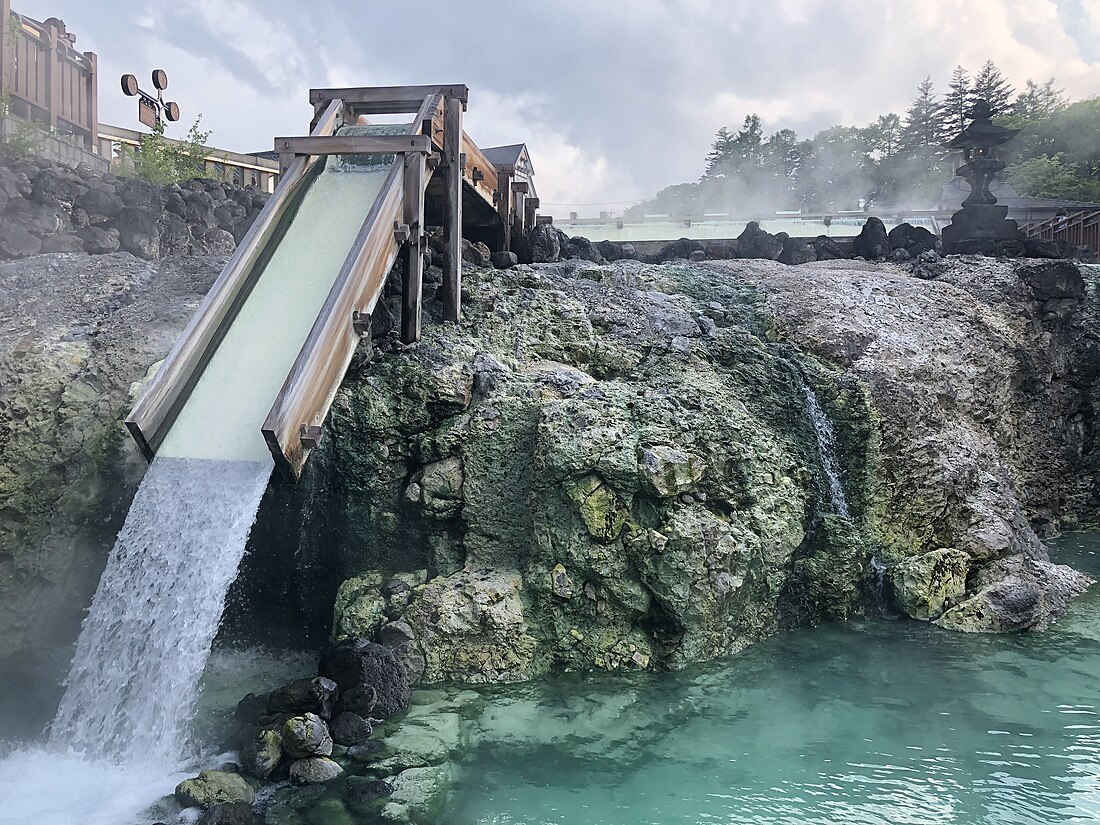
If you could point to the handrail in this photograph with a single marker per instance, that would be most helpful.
(162, 400)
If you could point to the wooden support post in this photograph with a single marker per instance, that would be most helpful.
(412, 252)
(530, 206)
(93, 102)
(452, 211)
(53, 79)
(504, 206)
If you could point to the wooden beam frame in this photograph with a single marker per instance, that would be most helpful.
(452, 211)
(413, 251)
(386, 100)
(353, 145)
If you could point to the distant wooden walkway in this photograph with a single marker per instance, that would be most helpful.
(440, 177)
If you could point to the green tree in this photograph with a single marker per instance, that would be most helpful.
(991, 86)
(883, 137)
(923, 128)
(1037, 101)
(957, 103)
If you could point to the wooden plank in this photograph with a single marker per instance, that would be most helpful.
(353, 145)
(379, 100)
(476, 160)
(530, 208)
(158, 406)
(311, 386)
(452, 212)
(413, 251)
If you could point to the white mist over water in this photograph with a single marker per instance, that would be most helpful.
(826, 446)
(133, 681)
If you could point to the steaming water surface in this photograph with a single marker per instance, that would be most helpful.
(868, 722)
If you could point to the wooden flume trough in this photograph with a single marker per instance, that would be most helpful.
(437, 166)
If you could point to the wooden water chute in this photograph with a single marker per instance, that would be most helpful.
(440, 177)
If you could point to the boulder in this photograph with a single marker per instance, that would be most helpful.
(678, 250)
(542, 244)
(827, 249)
(584, 249)
(314, 770)
(306, 735)
(261, 754)
(317, 696)
(367, 751)
(16, 242)
(198, 208)
(1053, 279)
(923, 586)
(913, 239)
(872, 242)
(350, 729)
(228, 214)
(138, 232)
(211, 240)
(63, 243)
(175, 236)
(505, 260)
(356, 664)
(228, 813)
(57, 186)
(610, 250)
(359, 609)
(99, 241)
(419, 795)
(40, 219)
(797, 251)
(140, 195)
(363, 797)
(212, 788)
(755, 242)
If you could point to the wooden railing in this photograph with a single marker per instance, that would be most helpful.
(1081, 228)
(45, 79)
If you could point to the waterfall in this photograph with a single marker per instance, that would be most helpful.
(826, 447)
(134, 679)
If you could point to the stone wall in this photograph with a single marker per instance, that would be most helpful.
(48, 207)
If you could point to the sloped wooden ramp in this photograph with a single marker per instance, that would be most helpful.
(258, 366)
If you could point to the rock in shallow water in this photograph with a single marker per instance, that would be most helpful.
(211, 788)
(305, 736)
(317, 696)
(314, 771)
(923, 585)
(229, 813)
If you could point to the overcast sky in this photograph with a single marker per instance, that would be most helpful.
(615, 98)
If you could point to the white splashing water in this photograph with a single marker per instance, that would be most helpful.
(134, 679)
(826, 446)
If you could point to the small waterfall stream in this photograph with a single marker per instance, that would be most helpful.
(134, 678)
(826, 447)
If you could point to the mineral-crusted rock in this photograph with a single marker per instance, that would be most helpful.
(305, 736)
(360, 608)
(923, 585)
(261, 754)
(211, 788)
(419, 796)
(314, 770)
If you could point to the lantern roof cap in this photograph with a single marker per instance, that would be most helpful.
(982, 131)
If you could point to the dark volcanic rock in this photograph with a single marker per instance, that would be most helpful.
(17, 242)
(304, 696)
(1053, 279)
(797, 251)
(610, 250)
(355, 664)
(99, 241)
(228, 813)
(581, 247)
(827, 249)
(138, 232)
(872, 242)
(102, 201)
(63, 243)
(39, 219)
(913, 239)
(754, 242)
(542, 244)
(350, 729)
(505, 260)
(679, 250)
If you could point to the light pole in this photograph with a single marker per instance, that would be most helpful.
(152, 111)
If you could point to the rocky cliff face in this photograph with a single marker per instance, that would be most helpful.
(611, 466)
(607, 465)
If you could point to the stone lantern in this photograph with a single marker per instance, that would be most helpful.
(981, 226)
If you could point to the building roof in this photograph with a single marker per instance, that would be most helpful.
(504, 155)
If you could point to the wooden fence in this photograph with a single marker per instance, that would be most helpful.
(1080, 228)
(45, 79)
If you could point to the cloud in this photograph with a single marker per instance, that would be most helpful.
(616, 100)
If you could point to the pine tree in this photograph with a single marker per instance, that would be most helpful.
(720, 150)
(1037, 101)
(923, 129)
(957, 103)
(990, 85)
